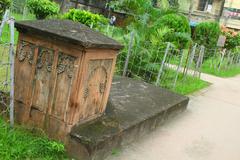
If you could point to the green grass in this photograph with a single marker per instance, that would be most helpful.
(185, 84)
(225, 71)
(6, 30)
(190, 85)
(19, 144)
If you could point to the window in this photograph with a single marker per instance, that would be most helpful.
(205, 5)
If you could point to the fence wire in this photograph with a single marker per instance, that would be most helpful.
(172, 68)
(7, 66)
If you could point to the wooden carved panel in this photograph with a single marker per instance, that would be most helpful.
(65, 74)
(94, 87)
(42, 78)
(23, 69)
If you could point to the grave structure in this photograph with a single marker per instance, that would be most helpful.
(63, 76)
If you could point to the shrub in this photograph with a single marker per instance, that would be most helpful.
(207, 34)
(179, 39)
(4, 4)
(179, 27)
(232, 40)
(177, 22)
(42, 8)
(85, 17)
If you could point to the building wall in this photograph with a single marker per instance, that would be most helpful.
(231, 14)
(198, 15)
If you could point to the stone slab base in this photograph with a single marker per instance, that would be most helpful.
(134, 109)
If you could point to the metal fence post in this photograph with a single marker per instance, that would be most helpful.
(128, 54)
(11, 55)
(163, 61)
(5, 17)
(178, 68)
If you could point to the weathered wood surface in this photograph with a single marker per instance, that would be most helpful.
(61, 84)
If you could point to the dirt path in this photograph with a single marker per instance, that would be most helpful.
(208, 130)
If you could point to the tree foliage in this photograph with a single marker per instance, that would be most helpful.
(232, 40)
(207, 34)
(85, 17)
(4, 4)
(43, 8)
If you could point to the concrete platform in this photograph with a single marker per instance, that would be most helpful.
(134, 109)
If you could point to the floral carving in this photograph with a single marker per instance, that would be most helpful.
(102, 87)
(26, 50)
(66, 63)
(45, 58)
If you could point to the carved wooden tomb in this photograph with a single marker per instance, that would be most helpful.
(63, 74)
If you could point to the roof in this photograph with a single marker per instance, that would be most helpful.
(69, 31)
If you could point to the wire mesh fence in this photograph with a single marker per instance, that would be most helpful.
(174, 69)
(162, 67)
(7, 66)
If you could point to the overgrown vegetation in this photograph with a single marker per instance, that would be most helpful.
(43, 8)
(19, 144)
(4, 4)
(90, 19)
(207, 34)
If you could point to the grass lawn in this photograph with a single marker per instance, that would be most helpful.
(225, 71)
(19, 144)
(184, 85)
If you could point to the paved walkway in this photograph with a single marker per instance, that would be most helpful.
(208, 130)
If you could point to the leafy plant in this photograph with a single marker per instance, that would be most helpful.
(179, 39)
(4, 4)
(179, 33)
(207, 34)
(85, 17)
(232, 40)
(18, 143)
(43, 8)
(177, 22)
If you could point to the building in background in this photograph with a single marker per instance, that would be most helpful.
(227, 12)
(202, 10)
(231, 14)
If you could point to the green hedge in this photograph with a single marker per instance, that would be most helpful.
(180, 31)
(207, 34)
(177, 22)
(85, 17)
(43, 8)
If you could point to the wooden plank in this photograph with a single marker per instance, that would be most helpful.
(42, 79)
(66, 70)
(70, 49)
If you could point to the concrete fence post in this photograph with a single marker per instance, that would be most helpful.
(163, 63)
(178, 68)
(191, 57)
(128, 54)
(11, 58)
(4, 19)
